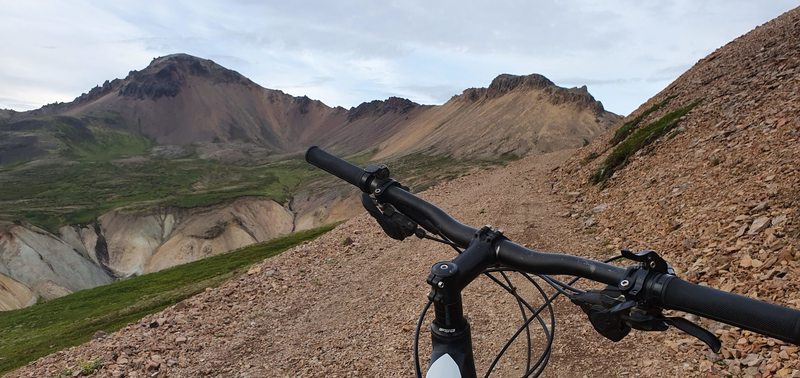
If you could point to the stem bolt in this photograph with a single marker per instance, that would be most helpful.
(440, 284)
(624, 283)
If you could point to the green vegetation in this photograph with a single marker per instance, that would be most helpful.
(104, 144)
(33, 332)
(90, 366)
(421, 171)
(54, 194)
(638, 139)
(589, 158)
(631, 125)
(97, 166)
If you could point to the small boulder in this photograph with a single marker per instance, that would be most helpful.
(600, 208)
(758, 225)
(761, 206)
(778, 220)
(99, 335)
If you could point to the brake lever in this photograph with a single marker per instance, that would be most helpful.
(646, 321)
(697, 331)
(394, 223)
(613, 316)
(657, 322)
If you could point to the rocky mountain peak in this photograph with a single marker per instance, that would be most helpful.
(165, 76)
(304, 103)
(380, 107)
(506, 83)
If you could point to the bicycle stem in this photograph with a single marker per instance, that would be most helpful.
(450, 331)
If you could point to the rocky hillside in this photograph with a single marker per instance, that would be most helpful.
(346, 303)
(718, 191)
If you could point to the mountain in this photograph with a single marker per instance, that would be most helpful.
(180, 99)
(183, 100)
(515, 115)
(186, 159)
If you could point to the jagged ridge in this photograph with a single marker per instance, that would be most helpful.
(506, 83)
(378, 108)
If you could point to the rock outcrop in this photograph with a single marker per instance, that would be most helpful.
(14, 294)
(213, 231)
(378, 108)
(46, 264)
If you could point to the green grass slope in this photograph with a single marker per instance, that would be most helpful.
(44, 328)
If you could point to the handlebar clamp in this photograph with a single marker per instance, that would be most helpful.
(645, 281)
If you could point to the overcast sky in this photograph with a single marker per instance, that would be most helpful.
(347, 52)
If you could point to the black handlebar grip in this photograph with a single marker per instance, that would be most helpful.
(765, 318)
(337, 167)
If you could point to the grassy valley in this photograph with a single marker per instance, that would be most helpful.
(53, 194)
(95, 168)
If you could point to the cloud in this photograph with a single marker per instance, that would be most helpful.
(347, 52)
(436, 94)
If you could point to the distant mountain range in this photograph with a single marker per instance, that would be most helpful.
(183, 100)
(186, 159)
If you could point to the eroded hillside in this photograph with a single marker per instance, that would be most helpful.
(718, 190)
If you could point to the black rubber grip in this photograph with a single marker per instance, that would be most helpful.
(765, 318)
(337, 167)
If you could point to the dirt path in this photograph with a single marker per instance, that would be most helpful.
(346, 304)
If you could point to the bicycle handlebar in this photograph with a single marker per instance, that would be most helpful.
(337, 167)
(780, 322)
(437, 221)
(772, 320)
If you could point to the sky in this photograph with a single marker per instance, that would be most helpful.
(347, 52)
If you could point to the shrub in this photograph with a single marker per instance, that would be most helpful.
(636, 141)
(631, 125)
(90, 366)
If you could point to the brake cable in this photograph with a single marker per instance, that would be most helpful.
(535, 314)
